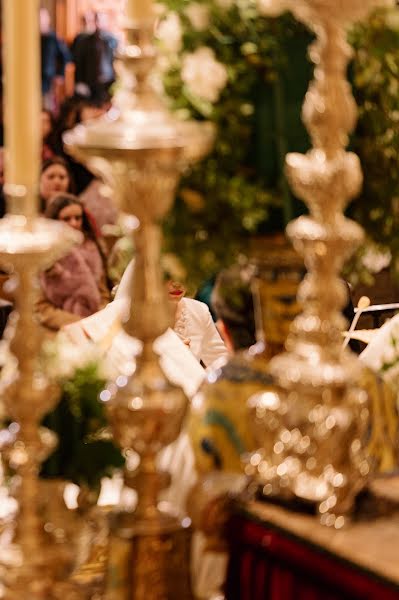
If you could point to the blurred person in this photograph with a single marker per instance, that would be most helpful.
(54, 58)
(96, 197)
(98, 200)
(68, 117)
(219, 420)
(73, 111)
(93, 55)
(55, 177)
(194, 325)
(192, 320)
(47, 126)
(76, 285)
(233, 304)
(87, 27)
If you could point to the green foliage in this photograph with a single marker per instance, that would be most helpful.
(376, 140)
(224, 200)
(85, 452)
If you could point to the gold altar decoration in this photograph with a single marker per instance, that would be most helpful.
(312, 429)
(35, 562)
(140, 149)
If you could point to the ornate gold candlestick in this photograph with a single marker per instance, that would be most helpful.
(314, 427)
(141, 149)
(36, 561)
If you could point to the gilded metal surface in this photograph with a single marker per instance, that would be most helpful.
(312, 429)
(140, 149)
(36, 558)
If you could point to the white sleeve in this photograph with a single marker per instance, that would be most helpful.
(125, 284)
(212, 347)
(178, 363)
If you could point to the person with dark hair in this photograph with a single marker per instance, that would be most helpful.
(71, 112)
(76, 286)
(192, 320)
(219, 424)
(87, 27)
(93, 55)
(47, 125)
(232, 301)
(55, 178)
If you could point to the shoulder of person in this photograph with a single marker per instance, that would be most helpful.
(111, 39)
(196, 307)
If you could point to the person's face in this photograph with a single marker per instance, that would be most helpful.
(53, 180)
(44, 20)
(72, 215)
(46, 124)
(175, 290)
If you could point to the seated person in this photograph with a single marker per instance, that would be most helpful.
(193, 321)
(193, 328)
(219, 425)
(76, 285)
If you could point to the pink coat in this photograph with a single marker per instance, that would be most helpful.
(72, 283)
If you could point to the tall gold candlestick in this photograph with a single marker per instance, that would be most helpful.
(315, 427)
(141, 150)
(21, 56)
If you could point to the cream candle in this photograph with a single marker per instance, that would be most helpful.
(22, 103)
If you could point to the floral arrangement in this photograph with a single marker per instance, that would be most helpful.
(85, 451)
(214, 53)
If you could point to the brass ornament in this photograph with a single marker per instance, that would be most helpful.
(312, 428)
(140, 149)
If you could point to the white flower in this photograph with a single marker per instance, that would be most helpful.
(272, 8)
(198, 15)
(203, 75)
(62, 357)
(169, 32)
(375, 259)
(392, 19)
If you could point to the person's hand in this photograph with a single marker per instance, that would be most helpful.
(75, 333)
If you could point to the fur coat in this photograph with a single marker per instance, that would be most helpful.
(72, 283)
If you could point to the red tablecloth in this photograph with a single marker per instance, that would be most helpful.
(267, 563)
